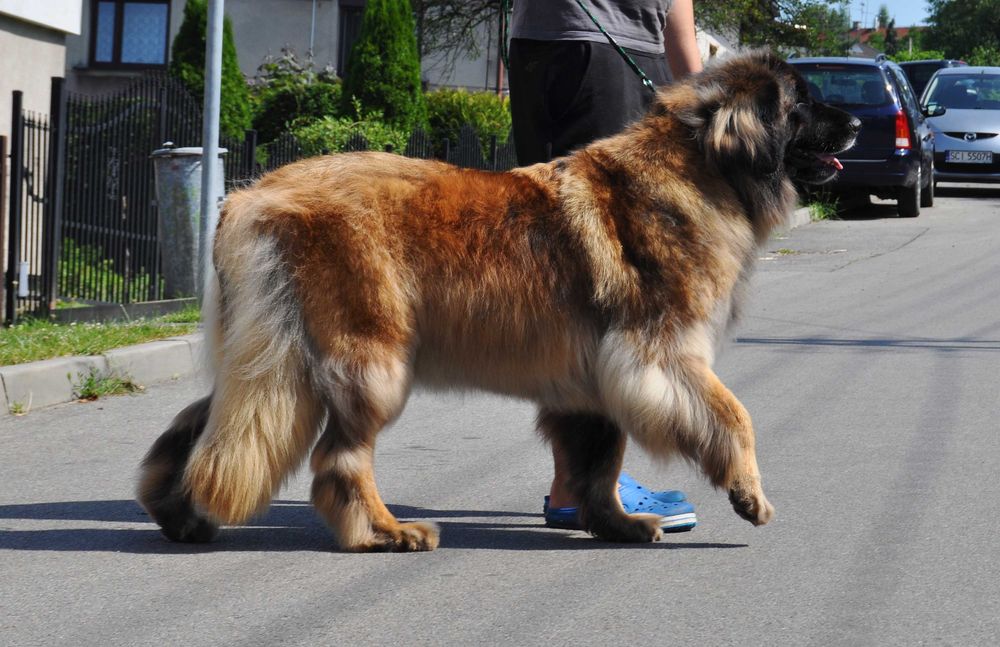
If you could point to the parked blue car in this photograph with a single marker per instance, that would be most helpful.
(894, 156)
(919, 73)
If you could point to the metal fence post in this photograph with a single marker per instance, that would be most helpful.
(249, 155)
(3, 212)
(54, 185)
(16, 188)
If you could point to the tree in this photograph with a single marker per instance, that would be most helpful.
(788, 25)
(383, 70)
(452, 28)
(826, 29)
(891, 39)
(188, 64)
(882, 21)
(957, 27)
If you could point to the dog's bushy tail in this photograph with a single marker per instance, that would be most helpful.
(264, 414)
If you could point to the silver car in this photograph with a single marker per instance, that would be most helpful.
(967, 131)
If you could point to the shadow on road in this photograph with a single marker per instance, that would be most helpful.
(928, 344)
(289, 526)
(866, 210)
(964, 191)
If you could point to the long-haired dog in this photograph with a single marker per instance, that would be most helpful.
(597, 285)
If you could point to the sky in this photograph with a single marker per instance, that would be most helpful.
(906, 12)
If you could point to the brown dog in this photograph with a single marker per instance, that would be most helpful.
(597, 286)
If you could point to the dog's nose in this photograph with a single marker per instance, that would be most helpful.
(854, 124)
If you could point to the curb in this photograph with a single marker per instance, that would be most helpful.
(799, 217)
(49, 382)
(41, 384)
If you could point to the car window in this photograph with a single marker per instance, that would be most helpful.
(920, 73)
(906, 93)
(965, 91)
(845, 84)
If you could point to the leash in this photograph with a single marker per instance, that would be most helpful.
(628, 59)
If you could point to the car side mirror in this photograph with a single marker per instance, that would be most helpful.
(933, 110)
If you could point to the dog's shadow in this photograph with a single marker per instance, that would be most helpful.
(287, 526)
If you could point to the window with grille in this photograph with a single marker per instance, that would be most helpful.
(129, 33)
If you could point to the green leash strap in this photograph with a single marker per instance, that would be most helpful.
(628, 59)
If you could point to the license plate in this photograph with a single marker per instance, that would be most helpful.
(969, 157)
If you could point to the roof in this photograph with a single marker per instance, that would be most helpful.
(845, 60)
(970, 69)
(863, 35)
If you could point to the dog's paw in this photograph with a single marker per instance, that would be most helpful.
(752, 506)
(627, 528)
(403, 538)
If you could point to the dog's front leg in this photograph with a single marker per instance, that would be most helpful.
(678, 404)
(592, 447)
(729, 456)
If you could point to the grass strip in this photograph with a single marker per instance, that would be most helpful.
(35, 340)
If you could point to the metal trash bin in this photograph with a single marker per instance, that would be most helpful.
(178, 195)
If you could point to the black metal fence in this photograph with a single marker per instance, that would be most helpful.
(83, 215)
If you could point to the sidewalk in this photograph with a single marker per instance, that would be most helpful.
(41, 384)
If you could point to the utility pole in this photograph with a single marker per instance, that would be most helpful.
(210, 139)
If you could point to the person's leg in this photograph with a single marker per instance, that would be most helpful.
(545, 78)
(607, 98)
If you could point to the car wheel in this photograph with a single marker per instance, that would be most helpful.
(927, 195)
(909, 201)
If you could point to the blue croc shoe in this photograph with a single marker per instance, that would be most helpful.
(674, 517)
(677, 516)
(630, 491)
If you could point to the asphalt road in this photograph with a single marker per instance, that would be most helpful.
(868, 359)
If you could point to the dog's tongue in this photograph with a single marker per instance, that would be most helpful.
(831, 160)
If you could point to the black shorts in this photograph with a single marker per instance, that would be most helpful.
(565, 94)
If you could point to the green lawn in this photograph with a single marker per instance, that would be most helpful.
(36, 340)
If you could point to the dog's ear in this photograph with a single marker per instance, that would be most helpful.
(739, 122)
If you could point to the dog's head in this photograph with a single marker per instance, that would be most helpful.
(753, 114)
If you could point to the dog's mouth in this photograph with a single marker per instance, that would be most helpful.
(815, 167)
(829, 160)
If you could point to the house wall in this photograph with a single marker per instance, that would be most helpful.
(60, 15)
(32, 55)
(263, 27)
(32, 43)
(81, 78)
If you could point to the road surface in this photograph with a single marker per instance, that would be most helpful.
(868, 359)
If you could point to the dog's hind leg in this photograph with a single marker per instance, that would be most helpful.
(161, 490)
(593, 447)
(363, 400)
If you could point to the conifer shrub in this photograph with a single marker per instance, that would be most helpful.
(383, 70)
(188, 64)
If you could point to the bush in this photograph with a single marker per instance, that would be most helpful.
(86, 273)
(983, 55)
(290, 93)
(188, 64)
(286, 108)
(332, 134)
(383, 70)
(917, 55)
(449, 110)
